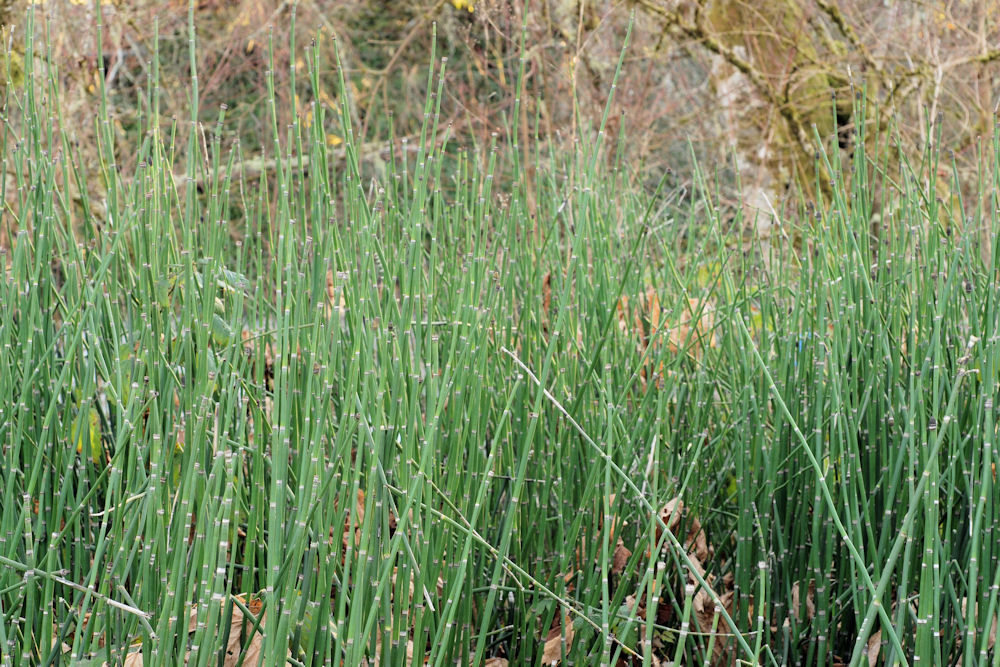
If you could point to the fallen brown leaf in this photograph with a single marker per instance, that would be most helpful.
(704, 602)
(358, 520)
(647, 323)
(705, 613)
(239, 634)
(695, 542)
(991, 642)
(620, 558)
(810, 600)
(703, 334)
(560, 632)
(873, 648)
(636, 606)
(240, 627)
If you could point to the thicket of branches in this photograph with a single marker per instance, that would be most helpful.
(743, 83)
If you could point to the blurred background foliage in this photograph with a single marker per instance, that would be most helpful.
(742, 87)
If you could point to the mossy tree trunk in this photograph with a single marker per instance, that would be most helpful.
(780, 69)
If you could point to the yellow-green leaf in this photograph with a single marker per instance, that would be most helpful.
(89, 431)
